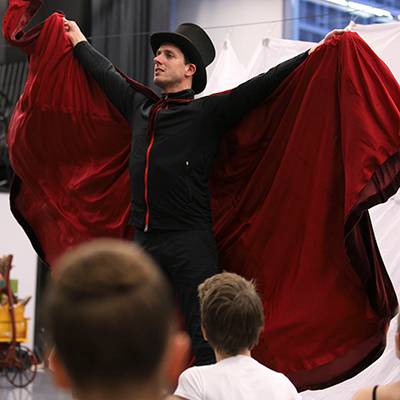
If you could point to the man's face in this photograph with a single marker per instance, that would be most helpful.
(170, 70)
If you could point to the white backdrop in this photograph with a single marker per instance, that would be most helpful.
(384, 39)
(227, 72)
(13, 240)
(243, 20)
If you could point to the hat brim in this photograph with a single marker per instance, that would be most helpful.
(190, 51)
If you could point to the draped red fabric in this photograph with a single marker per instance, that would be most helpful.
(68, 146)
(290, 190)
(291, 187)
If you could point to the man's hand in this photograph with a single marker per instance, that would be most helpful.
(328, 36)
(73, 32)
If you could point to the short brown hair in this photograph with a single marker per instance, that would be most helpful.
(231, 312)
(109, 312)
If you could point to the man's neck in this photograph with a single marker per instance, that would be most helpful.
(175, 94)
(219, 356)
(175, 88)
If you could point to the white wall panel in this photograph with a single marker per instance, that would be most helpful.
(13, 240)
(211, 14)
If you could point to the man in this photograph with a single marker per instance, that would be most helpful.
(232, 318)
(110, 314)
(175, 139)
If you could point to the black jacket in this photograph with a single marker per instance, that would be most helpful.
(175, 140)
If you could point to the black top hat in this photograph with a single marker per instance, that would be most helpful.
(195, 44)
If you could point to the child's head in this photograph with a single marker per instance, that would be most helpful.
(110, 314)
(231, 313)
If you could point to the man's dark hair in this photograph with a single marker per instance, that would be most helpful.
(187, 59)
(109, 312)
(231, 313)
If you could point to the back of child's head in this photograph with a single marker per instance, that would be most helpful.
(109, 313)
(231, 313)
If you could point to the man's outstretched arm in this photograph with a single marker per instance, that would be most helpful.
(229, 108)
(117, 89)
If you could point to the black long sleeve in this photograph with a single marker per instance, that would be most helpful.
(174, 147)
(230, 107)
(227, 109)
(116, 88)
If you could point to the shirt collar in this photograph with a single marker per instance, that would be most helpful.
(183, 94)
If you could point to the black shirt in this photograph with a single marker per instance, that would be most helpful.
(175, 140)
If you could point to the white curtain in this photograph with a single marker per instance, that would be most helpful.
(228, 71)
(384, 39)
(272, 51)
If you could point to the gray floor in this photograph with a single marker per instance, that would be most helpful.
(41, 388)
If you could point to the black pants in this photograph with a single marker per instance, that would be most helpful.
(187, 258)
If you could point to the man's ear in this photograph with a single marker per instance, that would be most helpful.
(190, 69)
(176, 357)
(60, 375)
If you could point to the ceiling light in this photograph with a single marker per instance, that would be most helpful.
(379, 12)
(338, 2)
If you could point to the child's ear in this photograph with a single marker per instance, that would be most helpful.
(176, 357)
(203, 331)
(60, 375)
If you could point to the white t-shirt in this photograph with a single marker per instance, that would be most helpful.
(235, 378)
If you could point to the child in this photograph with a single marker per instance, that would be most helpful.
(110, 314)
(232, 318)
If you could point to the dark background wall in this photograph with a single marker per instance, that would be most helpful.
(118, 28)
(73, 9)
(3, 5)
(121, 31)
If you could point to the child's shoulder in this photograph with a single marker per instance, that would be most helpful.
(200, 369)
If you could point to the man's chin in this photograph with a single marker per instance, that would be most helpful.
(158, 82)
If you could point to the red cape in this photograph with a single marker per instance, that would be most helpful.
(290, 190)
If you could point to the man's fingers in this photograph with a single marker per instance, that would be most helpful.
(335, 32)
(339, 31)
